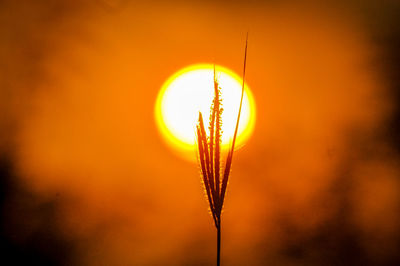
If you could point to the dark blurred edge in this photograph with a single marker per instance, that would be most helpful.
(28, 233)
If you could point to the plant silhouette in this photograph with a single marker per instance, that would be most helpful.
(214, 177)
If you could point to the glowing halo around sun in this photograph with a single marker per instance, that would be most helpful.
(191, 90)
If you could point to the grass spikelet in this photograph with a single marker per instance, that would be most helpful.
(217, 133)
(209, 149)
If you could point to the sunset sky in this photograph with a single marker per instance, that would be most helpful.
(87, 177)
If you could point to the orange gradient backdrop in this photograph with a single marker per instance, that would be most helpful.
(88, 140)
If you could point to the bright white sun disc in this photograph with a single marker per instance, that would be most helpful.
(191, 90)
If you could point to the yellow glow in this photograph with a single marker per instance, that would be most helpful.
(191, 90)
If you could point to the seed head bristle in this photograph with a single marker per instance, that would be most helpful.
(202, 158)
(217, 169)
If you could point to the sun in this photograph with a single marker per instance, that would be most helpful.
(191, 90)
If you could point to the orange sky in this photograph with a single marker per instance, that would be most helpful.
(316, 168)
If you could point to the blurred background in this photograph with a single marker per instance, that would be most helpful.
(86, 179)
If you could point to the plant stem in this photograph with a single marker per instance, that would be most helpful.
(219, 242)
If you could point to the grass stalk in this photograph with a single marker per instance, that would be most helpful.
(209, 153)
